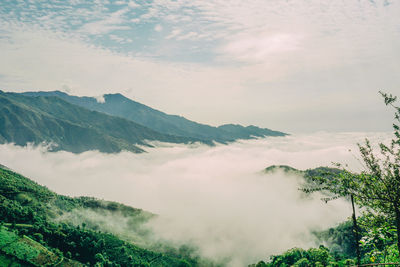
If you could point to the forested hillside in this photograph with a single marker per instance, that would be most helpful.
(32, 234)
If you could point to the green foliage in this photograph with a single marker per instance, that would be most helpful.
(25, 251)
(7, 237)
(21, 251)
(284, 168)
(339, 239)
(289, 257)
(379, 240)
(10, 261)
(313, 257)
(303, 262)
(320, 255)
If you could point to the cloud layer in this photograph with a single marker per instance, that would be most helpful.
(215, 198)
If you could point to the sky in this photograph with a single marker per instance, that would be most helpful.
(295, 66)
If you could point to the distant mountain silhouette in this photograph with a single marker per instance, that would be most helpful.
(121, 106)
(52, 120)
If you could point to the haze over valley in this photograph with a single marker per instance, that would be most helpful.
(215, 198)
(199, 133)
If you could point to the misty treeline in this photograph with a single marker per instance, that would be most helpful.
(31, 235)
(373, 237)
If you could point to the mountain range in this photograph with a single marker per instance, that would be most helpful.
(79, 124)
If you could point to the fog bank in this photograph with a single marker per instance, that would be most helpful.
(216, 198)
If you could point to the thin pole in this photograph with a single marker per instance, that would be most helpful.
(355, 231)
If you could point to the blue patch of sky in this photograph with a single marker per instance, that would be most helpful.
(139, 38)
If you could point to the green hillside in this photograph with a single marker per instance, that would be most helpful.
(308, 174)
(119, 105)
(70, 127)
(18, 250)
(31, 232)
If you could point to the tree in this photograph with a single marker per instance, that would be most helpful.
(378, 186)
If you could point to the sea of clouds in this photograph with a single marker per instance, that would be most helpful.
(215, 198)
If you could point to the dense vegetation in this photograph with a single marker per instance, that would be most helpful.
(377, 246)
(72, 128)
(31, 234)
(119, 105)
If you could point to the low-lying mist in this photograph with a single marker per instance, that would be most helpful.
(215, 198)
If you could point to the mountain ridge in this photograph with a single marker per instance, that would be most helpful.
(119, 105)
(51, 119)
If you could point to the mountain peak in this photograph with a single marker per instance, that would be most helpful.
(116, 104)
(115, 95)
(46, 93)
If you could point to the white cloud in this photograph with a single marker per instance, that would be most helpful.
(212, 197)
(262, 48)
(100, 99)
(174, 33)
(119, 39)
(107, 24)
(135, 20)
(133, 4)
(158, 28)
(351, 30)
(189, 35)
(151, 13)
(116, 38)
